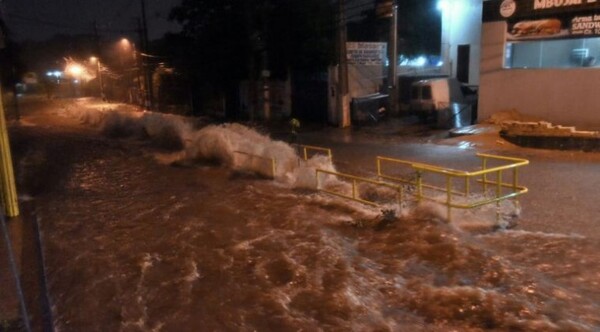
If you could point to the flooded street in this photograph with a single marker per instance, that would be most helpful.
(154, 223)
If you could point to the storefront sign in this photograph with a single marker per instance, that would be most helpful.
(366, 53)
(545, 19)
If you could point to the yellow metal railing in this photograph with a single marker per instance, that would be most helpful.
(355, 192)
(7, 177)
(272, 163)
(502, 190)
(316, 149)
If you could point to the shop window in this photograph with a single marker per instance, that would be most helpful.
(561, 53)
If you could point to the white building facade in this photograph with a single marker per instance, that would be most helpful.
(539, 57)
(461, 35)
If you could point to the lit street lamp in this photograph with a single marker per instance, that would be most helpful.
(74, 70)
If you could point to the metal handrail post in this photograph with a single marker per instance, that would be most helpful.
(498, 193)
(400, 196)
(515, 186)
(419, 186)
(484, 175)
(317, 178)
(449, 196)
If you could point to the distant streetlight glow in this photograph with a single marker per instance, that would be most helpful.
(55, 73)
(125, 43)
(443, 5)
(420, 61)
(74, 69)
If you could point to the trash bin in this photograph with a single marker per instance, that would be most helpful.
(369, 108)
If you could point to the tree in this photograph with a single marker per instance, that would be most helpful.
(226, 41)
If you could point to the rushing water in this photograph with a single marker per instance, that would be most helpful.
(194, 240)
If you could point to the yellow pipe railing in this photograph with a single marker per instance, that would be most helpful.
(268, 159)
(421, 169)
(7, 178)
(355, 180)
(307, 148)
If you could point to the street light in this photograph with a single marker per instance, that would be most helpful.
(74, 70)
(125, 43)
(99, 74)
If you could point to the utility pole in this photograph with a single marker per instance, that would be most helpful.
(249, 104)
(265, 73)
(393, 59)
(139, 62)
(342, 93)
(98, 66)
(145, 67)
(389, 9)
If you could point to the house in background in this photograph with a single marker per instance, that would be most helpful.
(539, 57)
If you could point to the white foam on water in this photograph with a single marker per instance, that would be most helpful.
(193, 274)
(233, 145)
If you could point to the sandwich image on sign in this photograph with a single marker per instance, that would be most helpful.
(546, 27)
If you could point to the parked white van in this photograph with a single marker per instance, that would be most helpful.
(431, 97)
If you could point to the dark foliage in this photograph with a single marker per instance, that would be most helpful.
(230, 39)
(226, 41)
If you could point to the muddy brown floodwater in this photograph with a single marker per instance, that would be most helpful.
(137, 237)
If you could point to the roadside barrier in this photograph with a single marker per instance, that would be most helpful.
(493, 190)
(498, 180)
(270, 163)
(7, 177)
(316, 150)
(355, 180)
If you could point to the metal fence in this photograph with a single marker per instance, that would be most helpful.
(496, 183)
(308, 150)
(355, 181)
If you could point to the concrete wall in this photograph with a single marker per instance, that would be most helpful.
(561, 96)
(461, 22)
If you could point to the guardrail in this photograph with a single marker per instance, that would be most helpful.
(272, 161)
(355, 192)
(501, 190)
(307, 148)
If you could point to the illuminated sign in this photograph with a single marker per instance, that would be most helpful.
(545, 19)
(366, 53)
(545, 4)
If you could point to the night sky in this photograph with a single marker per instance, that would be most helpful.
(41, 19)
